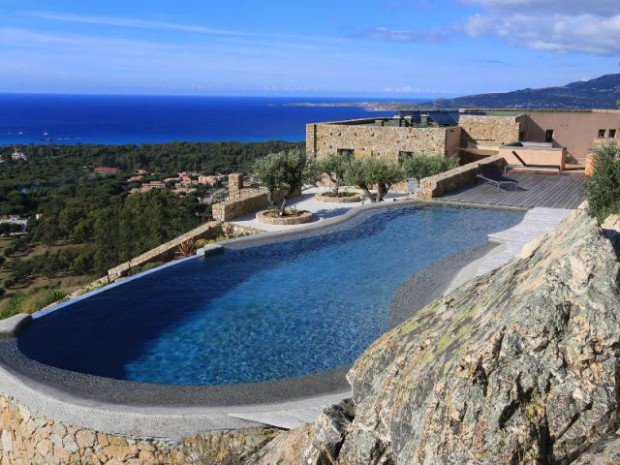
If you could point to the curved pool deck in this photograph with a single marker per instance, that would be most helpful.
(173, 412)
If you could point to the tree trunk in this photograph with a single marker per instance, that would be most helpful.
(381, 191)
(282, 206)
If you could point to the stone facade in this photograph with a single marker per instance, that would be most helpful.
(488, 131)
(28, 438)
(167, 250)
(385, 142)
(436, 186)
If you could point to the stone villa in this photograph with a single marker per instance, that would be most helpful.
(558, 137)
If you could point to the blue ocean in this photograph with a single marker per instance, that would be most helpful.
(83, 119)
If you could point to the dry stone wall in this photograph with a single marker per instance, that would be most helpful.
(487, 131)
(384, 142)
(29, 438)
(436, 186)
(246, 201)
(167, 250)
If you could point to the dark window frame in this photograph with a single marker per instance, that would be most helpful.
(549, 135)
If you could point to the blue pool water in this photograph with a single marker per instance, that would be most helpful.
(259, 313)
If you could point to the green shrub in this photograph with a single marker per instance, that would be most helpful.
(30, 302)
(424, 165)
(603, 189)
(372, 171)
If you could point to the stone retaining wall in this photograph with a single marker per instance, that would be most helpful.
(246, 201)
(302, 218)
(436, 186)
(29, 438)
(167, 250)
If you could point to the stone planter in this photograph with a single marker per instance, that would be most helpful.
(266, 218)
(350, 199)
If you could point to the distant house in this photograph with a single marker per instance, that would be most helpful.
(135, 178)
(107, 170)
(17, 220)
(141, 172)
(17, 156)
(210, 181)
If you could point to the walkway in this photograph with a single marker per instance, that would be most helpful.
(534, 190)
(306, 201)
(536, 223)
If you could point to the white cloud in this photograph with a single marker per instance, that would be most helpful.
(563, 7)
(584, 33)
(429, 35)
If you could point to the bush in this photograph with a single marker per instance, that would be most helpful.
(603, 189)
(30, 302)
(367, 172)
(424, 165)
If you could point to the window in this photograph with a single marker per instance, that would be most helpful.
(601, 133)
(549, 135)
(348, 152)
(402, 156)
(612, 134)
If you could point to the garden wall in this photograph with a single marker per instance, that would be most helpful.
(29, 438)
(167, 250)
(436, 186)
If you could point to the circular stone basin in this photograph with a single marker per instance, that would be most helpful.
(269, 217)
(324, 197)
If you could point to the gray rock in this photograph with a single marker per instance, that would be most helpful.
(329, 432)
(518, 366)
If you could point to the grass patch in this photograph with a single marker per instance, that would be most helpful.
(30, 301)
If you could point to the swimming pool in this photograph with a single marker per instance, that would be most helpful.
(257, 313)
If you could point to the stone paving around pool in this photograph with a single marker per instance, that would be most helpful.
(306, 201)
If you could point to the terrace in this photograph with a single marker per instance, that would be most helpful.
(533, 190)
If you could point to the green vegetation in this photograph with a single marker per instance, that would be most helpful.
(30, 301)
(423, 165)
(603, 190)
(88, 223)
(366, 172)
(335, 166)
(283, 174)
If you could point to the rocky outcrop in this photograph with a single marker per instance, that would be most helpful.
(521, 366)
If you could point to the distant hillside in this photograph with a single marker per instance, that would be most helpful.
(601, 92)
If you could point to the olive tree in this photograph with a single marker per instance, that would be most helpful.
(424, 165)
(367, 172)
(335, 165)
(283, 173)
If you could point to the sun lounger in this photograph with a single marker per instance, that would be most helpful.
(497, 182)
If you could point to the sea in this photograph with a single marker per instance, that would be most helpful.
(114, 119)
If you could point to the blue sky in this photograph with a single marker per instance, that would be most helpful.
(363, 48)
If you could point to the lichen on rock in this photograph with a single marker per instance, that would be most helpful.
(518, 366)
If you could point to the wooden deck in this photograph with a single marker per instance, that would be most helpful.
(533, 190)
